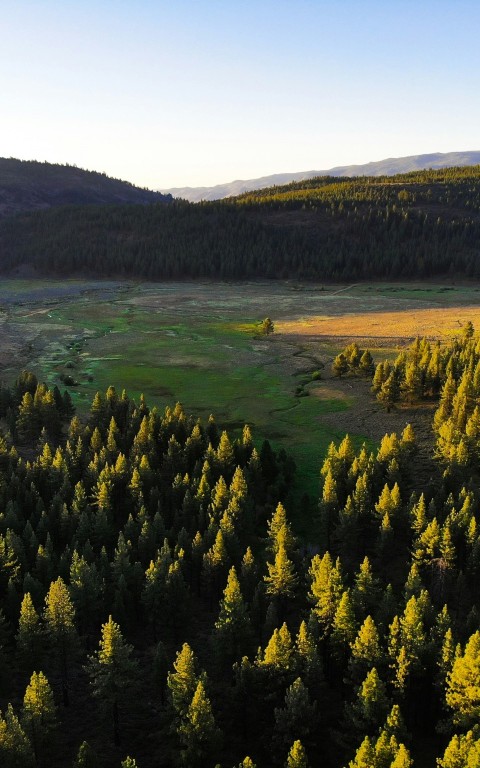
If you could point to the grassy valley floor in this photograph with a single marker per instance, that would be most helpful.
(198, 343)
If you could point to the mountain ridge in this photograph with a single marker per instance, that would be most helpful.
(387, 167)
(28, 185)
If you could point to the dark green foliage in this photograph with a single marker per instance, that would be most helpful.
(237, 637)
(86, 757)
(28, 184)
(357, 228)
(112, 673)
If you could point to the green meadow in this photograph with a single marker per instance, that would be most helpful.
(198, 343)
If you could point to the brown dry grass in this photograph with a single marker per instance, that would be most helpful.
(433, 323)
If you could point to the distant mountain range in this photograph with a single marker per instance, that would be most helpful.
(27, 185)
(388, 167)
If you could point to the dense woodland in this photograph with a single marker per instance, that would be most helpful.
(28, 185)
(420, 224)
(157, 608)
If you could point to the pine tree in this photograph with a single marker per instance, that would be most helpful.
(370, 708)
(279, 531)
(198, 733)
(215, 566)
(343, 628)
(112, 672)
(366, 651)
(463, 685)
(282, 579)
(232, 631)
(367, 366)
(365, 755)
(297, 719)
(462, 752)
(86, 757)
(402, 759)
(15, 748)
(297, 757)
(59, 615)
(340, 365)
(365, 591)
(326, 590)
(30, 633)
(279, 650)
(389, 392)
(38, 714)
(308, 661)
(182, 683)
(225, 455)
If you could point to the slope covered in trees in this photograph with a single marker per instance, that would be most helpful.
(29, 185)
(419, 224)
(155, 601)
(387, 167)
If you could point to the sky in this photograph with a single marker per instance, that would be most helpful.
(200, 92)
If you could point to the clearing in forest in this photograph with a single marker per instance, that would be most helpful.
(197, 343)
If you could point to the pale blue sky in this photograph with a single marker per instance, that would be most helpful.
(201, 92)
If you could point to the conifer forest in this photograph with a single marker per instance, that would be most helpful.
(157, 608)
(420, 224)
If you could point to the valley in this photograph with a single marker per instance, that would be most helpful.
(198, 343)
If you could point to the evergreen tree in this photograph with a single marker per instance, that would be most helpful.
(15, 748)
(367, 366)
(366, 652)
(402, 759)
(232, 631)
(30, 633)
(297, 719)
(86, 757)
(282, 579)
(343, 628)
(326, 590)
(279, 650)
(112, 672)
(198, 733)
(182, 683)
(463, 685)
(462, 752)
(308, 661)
(389, 392)
(365, 755)
(59, 617)
(340, 365)
(86, 590)
(38, 714)
(370, 708)
(297, 757)
(279, 531)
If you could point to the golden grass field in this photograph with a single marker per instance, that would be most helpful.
(402, 325)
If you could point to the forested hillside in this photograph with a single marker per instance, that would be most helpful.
(29, 185)
(419, 224)
(387, 167)
(155, 601)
